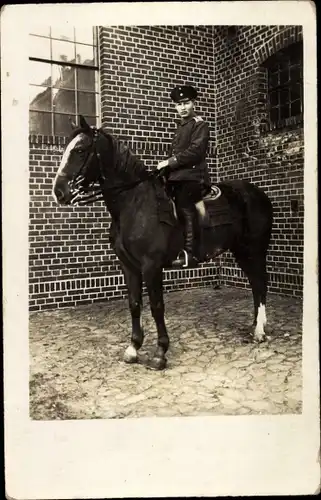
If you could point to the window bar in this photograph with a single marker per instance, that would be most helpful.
(52, 111)
(76, 94)
(97, 77)
(62, 63)
(76, 79)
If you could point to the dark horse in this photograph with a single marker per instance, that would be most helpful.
(143, 243)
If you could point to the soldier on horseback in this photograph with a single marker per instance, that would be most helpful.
(186, 169)
(142, 243)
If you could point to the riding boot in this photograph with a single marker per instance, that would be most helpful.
(188, 257)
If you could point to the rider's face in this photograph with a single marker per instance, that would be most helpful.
(185, 108)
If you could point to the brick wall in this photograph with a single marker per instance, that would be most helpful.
(273, 160)
(70, 258)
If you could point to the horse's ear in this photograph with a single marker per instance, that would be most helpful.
(72, 123)
(83, 123)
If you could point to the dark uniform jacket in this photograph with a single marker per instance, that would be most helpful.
(188, 151)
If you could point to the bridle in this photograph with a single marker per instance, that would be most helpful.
(83, 194)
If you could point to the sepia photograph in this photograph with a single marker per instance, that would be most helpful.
(166, 215)
(170, 157)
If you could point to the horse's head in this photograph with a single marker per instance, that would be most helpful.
(79, 163)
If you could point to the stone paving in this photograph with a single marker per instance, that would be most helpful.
(77, 369)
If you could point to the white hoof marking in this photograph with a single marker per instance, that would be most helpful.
(259, 332)
(261, 315)
(130, 354)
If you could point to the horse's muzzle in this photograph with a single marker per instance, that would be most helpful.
(62, 191)
(59, 195)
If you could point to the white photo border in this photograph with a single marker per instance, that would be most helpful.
(148, 457)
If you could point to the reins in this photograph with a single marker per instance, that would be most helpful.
(94, 192)
(117, 189)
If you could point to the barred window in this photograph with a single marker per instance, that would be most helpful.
(285, 86)
(63, 78)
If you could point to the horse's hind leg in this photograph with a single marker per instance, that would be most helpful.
(260, 319)
(134, 286)
(254, 266)
(154, 284)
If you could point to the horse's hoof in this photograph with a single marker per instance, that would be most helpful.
(157, 363)
(258, 339)
(130, 355)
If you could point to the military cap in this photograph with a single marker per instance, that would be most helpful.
(183, 92)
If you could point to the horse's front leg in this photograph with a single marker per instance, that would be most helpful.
(154, 284)
(133, 280)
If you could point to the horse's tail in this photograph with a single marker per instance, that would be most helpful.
(254, 207)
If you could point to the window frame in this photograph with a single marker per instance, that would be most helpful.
(76, 89)
(285, 57)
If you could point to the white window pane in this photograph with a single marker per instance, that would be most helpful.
(39, 47)
(85, 54)
(86, 103)
(40, 30)
(40, 123)
(64, 101)
(39, 98)
(39, 73)
(86, 79)
(63, 76)
(63, 51)
(62, 124)
(84, 34)
(63, 32)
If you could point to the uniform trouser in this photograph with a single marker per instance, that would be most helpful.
(186, 194)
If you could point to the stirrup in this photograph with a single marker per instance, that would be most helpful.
(183, 261)
(185, 258)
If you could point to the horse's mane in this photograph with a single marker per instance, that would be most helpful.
(124, 160)
(116, 153)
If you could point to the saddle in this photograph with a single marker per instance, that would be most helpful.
(212, 209)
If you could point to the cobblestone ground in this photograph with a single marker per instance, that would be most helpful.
(77, 369)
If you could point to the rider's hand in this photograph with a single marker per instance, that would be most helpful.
(162, 164)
